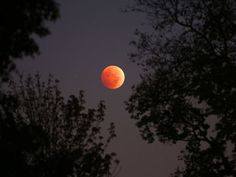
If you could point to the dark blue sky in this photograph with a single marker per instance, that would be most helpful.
(90, 35)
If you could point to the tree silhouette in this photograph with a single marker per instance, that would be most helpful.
(41, 133)
(187, 91)
(44, 135)
(21, 22)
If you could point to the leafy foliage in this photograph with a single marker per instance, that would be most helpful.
(188, 88)
(21, 22)
(44, 135)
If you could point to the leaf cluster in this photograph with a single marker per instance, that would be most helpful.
(21, 22)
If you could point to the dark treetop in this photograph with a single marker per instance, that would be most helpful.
(21, 22)
(188, 88)
(42, 134)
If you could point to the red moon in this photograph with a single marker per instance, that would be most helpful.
(112, 77)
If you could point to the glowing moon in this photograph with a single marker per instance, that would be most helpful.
(112, 77)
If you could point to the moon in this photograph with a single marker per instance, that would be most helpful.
(112, 77)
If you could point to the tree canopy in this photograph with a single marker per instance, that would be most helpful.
(187, 91)
(21, 22)
(42, 134)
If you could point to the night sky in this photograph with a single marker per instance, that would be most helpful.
(90, 35)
